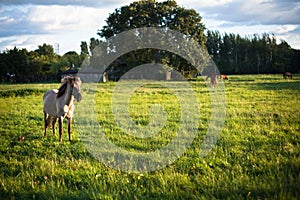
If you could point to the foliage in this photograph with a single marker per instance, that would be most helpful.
(256, 157)
(255, 54)
(142, 13)
(20, 92)
(84, 48)
(165, 14)
(42, 61)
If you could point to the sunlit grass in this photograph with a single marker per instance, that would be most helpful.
(257, 155)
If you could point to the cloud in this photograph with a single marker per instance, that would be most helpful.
(32, 25)
(13, 19)
(249, 17)
(19, 20)
(251, 12)
(27, 24)
(68, 22)
(23, 41)
(285, 29)
(85, 3)
(289, 33)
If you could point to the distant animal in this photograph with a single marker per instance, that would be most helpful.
(287, 75)
(213, 79)
(59, 104)
(223, 77)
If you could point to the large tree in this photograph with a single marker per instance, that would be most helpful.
(150, 13)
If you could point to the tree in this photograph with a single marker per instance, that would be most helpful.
(213, 42)
(72, 59)
(150, 13)
(84, 48)
(93, 43)
(283, 57)
(17, 61)
(251, 54)
(46, 50)
(155, 14)
(295, 63)
(47, 58)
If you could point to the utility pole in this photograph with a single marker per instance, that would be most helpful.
(56, 48)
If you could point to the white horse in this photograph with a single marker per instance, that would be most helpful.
(59, 104)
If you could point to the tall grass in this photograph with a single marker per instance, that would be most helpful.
(257, 155)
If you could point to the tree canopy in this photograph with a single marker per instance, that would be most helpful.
(141, 14)
(149, 13)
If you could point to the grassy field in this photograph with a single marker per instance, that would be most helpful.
(257, 155)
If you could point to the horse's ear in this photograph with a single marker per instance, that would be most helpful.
(64, 79)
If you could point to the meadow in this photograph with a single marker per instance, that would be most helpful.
(257, 155)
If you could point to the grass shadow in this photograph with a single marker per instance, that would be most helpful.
(285, 85)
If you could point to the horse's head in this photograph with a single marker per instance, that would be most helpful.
(74, 84)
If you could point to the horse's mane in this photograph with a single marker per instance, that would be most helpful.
(62, 89)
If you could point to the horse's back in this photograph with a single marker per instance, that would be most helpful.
(287, 75)
(49, 102)
(50, 93)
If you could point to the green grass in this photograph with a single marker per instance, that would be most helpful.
(257, 155)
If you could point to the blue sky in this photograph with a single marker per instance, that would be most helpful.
(27, 24)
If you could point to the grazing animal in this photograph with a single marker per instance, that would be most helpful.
(59, 104)
(213, 79)
(223, 77)
(287, 75)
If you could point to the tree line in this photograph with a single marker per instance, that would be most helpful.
(42, 64)
(232, 53)
(252, 54)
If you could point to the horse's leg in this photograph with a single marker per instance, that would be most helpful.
(60, 125)
(47, 120)
(45, 123)
(70, 128)
(54, 121)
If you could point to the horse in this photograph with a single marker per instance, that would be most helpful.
(213, 79)
(59, 104)
(223, 77)
(287, 75)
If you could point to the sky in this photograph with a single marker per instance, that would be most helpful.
(65, 23)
